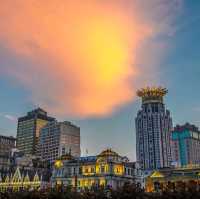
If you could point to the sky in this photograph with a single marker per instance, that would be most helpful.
(84, 61)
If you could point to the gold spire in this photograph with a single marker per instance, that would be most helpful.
(153, 91)
(152, 94)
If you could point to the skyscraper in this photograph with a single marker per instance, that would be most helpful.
(29, 128)
(186, 145)
(153, 128)
(57, 139)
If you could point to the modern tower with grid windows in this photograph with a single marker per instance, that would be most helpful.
(57, 139)
(153, 128)
(28, 130)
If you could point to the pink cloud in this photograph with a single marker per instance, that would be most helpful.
(83, 59)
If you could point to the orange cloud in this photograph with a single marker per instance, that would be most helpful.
(79, 57)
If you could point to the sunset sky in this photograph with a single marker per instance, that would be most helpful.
(84, 60)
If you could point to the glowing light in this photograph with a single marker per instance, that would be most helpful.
(157, 174)
(58, 164)
(88, 170)
(118, 169)
(99, 168)
(102, 182)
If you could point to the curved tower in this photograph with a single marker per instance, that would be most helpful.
(153, 128)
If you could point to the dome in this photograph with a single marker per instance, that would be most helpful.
(108, 153)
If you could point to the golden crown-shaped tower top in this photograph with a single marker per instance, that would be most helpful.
(152, 94)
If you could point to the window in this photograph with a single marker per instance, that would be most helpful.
(80, 170)
(63, 151)
(86, 170)
(69, 171)
(102, 169)
(92, 170)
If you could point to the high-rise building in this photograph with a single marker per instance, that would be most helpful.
(186, 145)
(6, 146)
(57, 139)
(153, 128)
(28, 130)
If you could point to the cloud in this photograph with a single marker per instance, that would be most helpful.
(9, 117)
(83, 58)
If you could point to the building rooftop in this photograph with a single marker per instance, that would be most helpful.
(106, 155)
(186, 126)
(108, 152)
(36, 113)
(152, 94)
(8, 137)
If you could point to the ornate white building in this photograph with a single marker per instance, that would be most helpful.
(106, 169)
(153, 128)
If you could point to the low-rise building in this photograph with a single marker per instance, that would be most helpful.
(6, 145)
(26, 172)
(108, 169)
(172, 179)
(24, 179)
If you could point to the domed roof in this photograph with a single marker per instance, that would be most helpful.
(67, 156)
(108, 152)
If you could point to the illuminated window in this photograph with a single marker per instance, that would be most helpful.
(92, 170)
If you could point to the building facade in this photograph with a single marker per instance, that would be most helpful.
(6, 146)
(173, 179)
(57, 139)
(28, 130)
(153, 127)
(108, 169)
(24, 180)
(186, 145)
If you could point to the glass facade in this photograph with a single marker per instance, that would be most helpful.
(57, 139)
(153, 128)
(29, 128)
(186, 145)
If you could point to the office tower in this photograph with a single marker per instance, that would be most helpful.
(6, 146)
(153, 127)
(186, 145)
(57, 139)
(29, 128)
